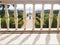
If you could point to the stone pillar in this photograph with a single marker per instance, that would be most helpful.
(7, 16)
(24, 17)
(33, 16)
(51, 17)
(42, 16)
(16, 17)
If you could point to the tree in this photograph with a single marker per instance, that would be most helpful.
(3, 6)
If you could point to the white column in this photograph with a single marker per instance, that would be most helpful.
(42, 16)
(58, 21)
(16, 17)
(24, 17)
(33, 16)
(51, 17)
(7, 16)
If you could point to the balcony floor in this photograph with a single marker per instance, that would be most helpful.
(29, 39)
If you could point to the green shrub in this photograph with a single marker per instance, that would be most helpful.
(46, 21)
(37, 24)
(3, 23)
(20, 22)
(54, 23)
(12, 22)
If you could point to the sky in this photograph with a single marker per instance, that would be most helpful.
(29, 7)
(37, 6)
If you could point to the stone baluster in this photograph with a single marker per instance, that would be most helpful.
(33, 16)
(51, 17)
(16, 17)
(42, 16)
(7, 16)
(24, 17)
(58, 21)
(0, 22)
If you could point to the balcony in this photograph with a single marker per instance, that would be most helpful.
(25, 25)
(29, 27)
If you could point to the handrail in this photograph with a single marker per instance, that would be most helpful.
(29, 1)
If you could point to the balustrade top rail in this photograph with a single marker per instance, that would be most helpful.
(29, 1)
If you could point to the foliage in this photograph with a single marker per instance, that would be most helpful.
(54, 23)
(12, 23)
(37, 23)
(20, 20)
(46, 21)
(3, 23)
(11, 17)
